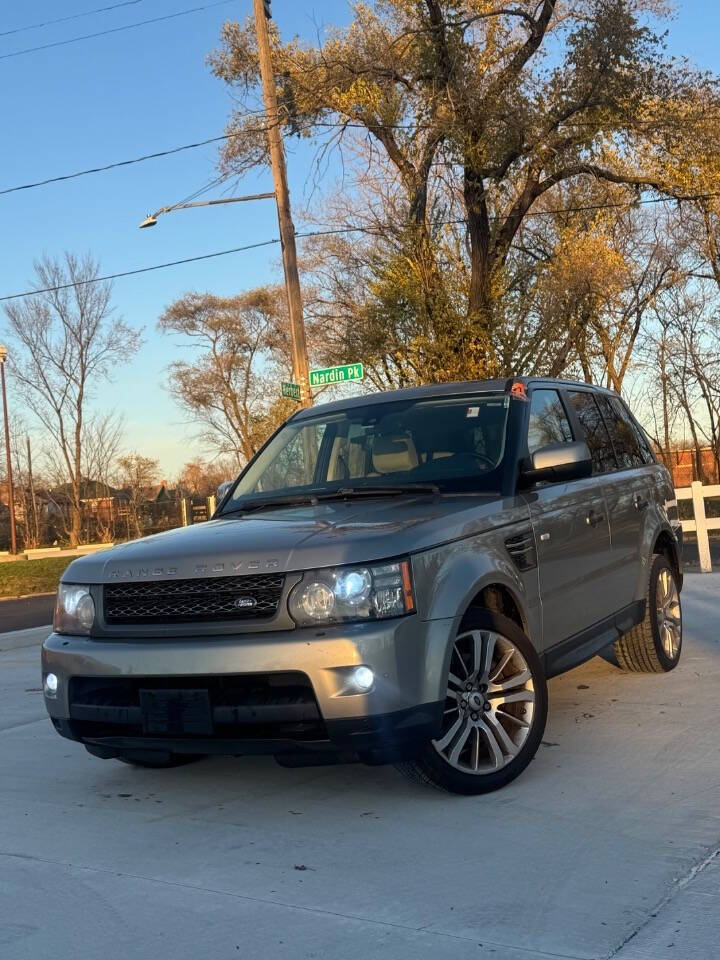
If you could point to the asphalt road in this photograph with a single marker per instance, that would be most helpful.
(25, 612)
(605, 847)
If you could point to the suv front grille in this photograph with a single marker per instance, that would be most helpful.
(192, 601)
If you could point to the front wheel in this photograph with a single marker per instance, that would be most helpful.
(495, 709)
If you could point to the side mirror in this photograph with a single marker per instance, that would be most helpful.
(558, 462)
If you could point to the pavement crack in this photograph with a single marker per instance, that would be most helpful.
(669, 896)
(290, 906)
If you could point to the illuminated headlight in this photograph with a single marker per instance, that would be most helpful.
(74, 610)
(339, 594)
(50, 686)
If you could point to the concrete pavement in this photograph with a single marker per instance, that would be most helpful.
(605, 847)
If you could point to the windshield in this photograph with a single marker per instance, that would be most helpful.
(453, 443)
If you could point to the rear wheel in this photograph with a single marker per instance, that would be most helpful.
(495, 709)
(655, 645)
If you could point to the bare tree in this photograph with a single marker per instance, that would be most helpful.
(226, 388)
(200, 478)
(67, 341)
(137, 475)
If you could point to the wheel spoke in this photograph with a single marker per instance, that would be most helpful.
(513, 719)
(476, 750)
(497, 754)
(456, 653)
(516, 681)
(489, 651)
(448, 737)
(477, 661)
(501, 734)
(459, 745)
(520, 696)
(453, 679)
(501, 665)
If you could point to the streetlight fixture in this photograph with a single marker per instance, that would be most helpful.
(152, 218)
(11, 494)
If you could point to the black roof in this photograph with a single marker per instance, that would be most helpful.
(457, 388)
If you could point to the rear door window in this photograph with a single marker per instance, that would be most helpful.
(596, 433)
(548, 420)
(623, 435)
(631, 447)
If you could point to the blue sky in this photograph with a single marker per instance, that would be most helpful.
(135, 92)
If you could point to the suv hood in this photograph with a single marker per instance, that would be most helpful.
(289, 539)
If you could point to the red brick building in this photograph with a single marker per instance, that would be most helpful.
(684, 470)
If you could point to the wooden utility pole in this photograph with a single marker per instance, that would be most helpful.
(282, 195)
(10, 491)
(33, 501)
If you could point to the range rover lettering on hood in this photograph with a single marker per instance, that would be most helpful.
(201, 569)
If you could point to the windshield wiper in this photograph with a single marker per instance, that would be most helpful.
(344, 493)
(389, 490)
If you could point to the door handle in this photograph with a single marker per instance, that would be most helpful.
(594, 518)
(640, 503)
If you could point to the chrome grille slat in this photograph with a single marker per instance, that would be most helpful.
(192, 601)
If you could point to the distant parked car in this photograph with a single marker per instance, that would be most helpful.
(392, 579)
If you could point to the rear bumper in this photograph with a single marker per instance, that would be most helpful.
(402, 710)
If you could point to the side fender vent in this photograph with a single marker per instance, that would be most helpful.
(521, 548)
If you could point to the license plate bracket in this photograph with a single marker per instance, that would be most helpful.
(176, 712)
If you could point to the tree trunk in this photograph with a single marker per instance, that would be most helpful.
(480, 299)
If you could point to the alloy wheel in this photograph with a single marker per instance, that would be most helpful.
(489, 705)
(669, 616)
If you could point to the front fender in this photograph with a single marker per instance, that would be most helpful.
(448, 578)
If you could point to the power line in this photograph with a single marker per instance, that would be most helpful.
(72, 16)
(104, 33)
(159, 153)
(192, 146)
(113, 166)
(174, 263)
(321, 233)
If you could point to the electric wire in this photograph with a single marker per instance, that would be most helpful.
(110, 30)
(72, 16)
(303, 235)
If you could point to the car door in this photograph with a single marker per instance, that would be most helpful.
(571, 529)
(628, 496)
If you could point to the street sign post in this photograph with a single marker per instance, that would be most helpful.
(292, 391)
(350, 371)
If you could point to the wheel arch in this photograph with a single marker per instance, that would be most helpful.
(666, 544)
(500, 598)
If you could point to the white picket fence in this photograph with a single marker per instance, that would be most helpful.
(700, 524)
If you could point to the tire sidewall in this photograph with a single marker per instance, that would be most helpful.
(446, 776)
(660, 563)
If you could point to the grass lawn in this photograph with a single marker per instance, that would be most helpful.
(19, 577)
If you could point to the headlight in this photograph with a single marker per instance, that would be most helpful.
(74, 610)
(338, 594)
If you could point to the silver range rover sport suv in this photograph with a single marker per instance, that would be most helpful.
(392, 579)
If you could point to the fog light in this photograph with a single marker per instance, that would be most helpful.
(362, 678)
(50, 686)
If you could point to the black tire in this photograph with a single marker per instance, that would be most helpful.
(431, 767)
(641, 650)
(162, 762)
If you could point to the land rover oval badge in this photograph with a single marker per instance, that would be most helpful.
(245, 603)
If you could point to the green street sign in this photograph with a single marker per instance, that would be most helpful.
(291, 390)
(350, 371)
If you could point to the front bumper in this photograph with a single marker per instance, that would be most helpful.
(404, 708)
